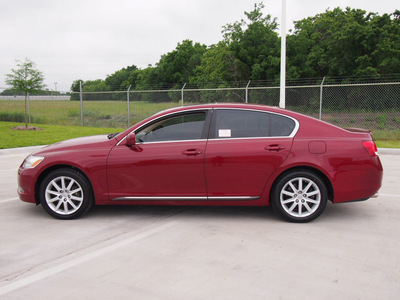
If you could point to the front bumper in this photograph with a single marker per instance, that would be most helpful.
(26, 185)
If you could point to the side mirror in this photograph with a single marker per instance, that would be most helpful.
(131, 139)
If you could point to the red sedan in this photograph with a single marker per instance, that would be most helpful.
(218, 154)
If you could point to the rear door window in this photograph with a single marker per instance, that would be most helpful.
(236, 123)
(281, 125)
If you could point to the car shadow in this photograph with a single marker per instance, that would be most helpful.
(118, 211)
(333, 212)
(347, 210)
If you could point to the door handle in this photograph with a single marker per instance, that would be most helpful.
(192, 152)
(275, 148)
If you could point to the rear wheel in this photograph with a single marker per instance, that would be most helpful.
(300, 196)
(66, 194)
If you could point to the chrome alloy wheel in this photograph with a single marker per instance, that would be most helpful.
(300, 197)
(64, 195)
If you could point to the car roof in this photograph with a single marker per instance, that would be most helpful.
(228, 105)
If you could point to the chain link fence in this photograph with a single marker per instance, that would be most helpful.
(374, 106)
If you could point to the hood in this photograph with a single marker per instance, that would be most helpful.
(80, 143)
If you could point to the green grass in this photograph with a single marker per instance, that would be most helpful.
(96, 113)
(388, 143)
(49, 134)
(384, 134)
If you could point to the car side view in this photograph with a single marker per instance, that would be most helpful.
(214, 154)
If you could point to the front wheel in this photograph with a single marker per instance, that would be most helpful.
(299, 196)
(66, 194)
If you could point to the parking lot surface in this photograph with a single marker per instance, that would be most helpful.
(139, 252)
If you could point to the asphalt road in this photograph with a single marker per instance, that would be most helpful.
(126, 252)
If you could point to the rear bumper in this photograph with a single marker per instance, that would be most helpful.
(359, 183)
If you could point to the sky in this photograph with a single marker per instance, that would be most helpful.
(90, 39)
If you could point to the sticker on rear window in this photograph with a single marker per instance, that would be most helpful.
(224, 133)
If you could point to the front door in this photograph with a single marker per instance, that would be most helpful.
(167, 162)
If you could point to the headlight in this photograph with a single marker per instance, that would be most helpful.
(32, 161)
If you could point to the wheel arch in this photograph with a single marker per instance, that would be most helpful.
(50, 169)
(318, 172)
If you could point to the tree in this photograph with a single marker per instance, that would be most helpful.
(90, 86)
(255, 45)
(26, 79)
(120, 79)
(339, 43)
(250, 50)
(178, 66)
(382, 44)
(218, 65)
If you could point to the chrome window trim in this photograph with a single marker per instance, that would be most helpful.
(172, 141)
(249, 138)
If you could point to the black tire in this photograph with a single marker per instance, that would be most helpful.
(66, 194)
(299, 196)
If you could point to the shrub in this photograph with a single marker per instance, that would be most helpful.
(12, 117)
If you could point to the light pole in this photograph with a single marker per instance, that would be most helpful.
(282, 99)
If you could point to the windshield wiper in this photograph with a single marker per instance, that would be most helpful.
(112, 135)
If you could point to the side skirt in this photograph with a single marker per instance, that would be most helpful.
(169, 198)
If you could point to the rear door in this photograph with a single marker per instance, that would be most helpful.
(244, 148)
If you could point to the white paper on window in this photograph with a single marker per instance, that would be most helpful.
(224, 133)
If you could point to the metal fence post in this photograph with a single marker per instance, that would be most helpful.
(247, 92)
(29, 108)
(129, 111)
(182, 92)
(81, 100)
(320, 98)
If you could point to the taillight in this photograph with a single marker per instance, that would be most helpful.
(371, 148)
